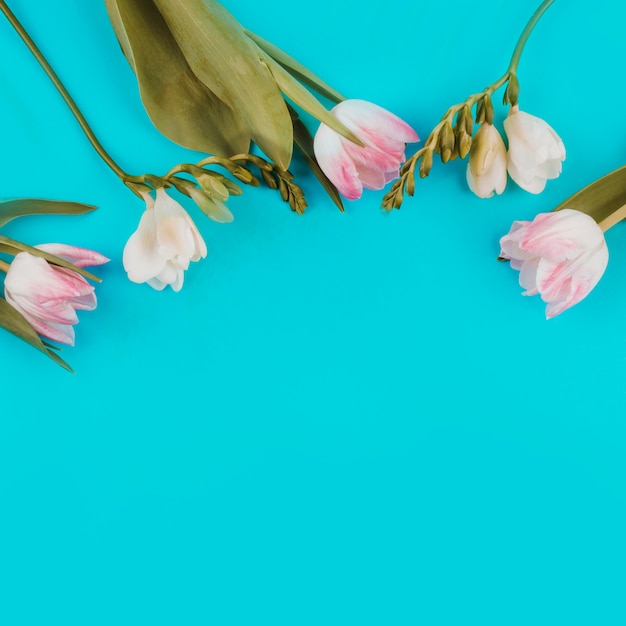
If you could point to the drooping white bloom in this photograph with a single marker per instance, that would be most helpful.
(535, 150)
(47, 295)
(486, 169)
(560, 255)
(165, 242)
(351, 167)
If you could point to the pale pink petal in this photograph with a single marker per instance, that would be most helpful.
(528, 277)
(176, 232)
(371, 177)
(336, 163)
(81, 257)
(141, 258)
(372, 123)
(561, 234)
(57, 332)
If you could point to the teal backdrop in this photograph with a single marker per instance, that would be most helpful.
(342, 418)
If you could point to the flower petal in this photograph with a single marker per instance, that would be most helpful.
(81, 257)
(336, 163)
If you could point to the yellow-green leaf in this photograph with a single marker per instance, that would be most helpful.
(602, 199)
(296, 69)
(224, 59)
(11, 209)
(178, 103)
(299, 94)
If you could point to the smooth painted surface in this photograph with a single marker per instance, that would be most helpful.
(341, 419)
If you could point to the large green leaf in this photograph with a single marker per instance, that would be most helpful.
(16, 323)
(296, 69)
(224, 59)
(178, 103)
(11, 209)
(602, 199)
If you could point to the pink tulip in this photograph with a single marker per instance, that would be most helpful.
(560, 255)
(351, 167)
(47, 295)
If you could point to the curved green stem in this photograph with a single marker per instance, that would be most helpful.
(69, 101)
(532, 22)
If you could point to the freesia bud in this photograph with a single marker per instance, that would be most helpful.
(351, 167)
(47, 295)
(446, 142)
(560, 255)
(213, 207)
(535, 150)
(166, 240)
(486, 169)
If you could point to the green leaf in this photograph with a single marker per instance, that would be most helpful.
(296, 69)
(11, 209)
(304, 142)
(602, 199)
(16, 323)
(178, 103)
(201, 77)
(299, 94)
(12, 246)
(224, 59)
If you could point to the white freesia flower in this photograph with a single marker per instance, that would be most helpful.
(166, 240)
(486, 169)
(535, 150)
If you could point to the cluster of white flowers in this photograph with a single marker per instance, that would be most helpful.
(534, 156)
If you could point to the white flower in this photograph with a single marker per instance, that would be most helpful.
(535, 150)
(486, 169)
(165, 241)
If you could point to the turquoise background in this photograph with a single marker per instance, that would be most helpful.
(342, 418)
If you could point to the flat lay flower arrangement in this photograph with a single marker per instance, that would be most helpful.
(211, 85)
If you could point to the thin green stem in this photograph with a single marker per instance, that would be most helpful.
(69, 101)
(4, 266)
(517, 53)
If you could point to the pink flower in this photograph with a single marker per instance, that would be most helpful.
(350, 167)
(47, 295)
(560, 255)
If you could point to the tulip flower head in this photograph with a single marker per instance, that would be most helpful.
(560, 255)
(47, 295)
(166, 240)
(351, 167)
(535, 150)
(486, 169)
